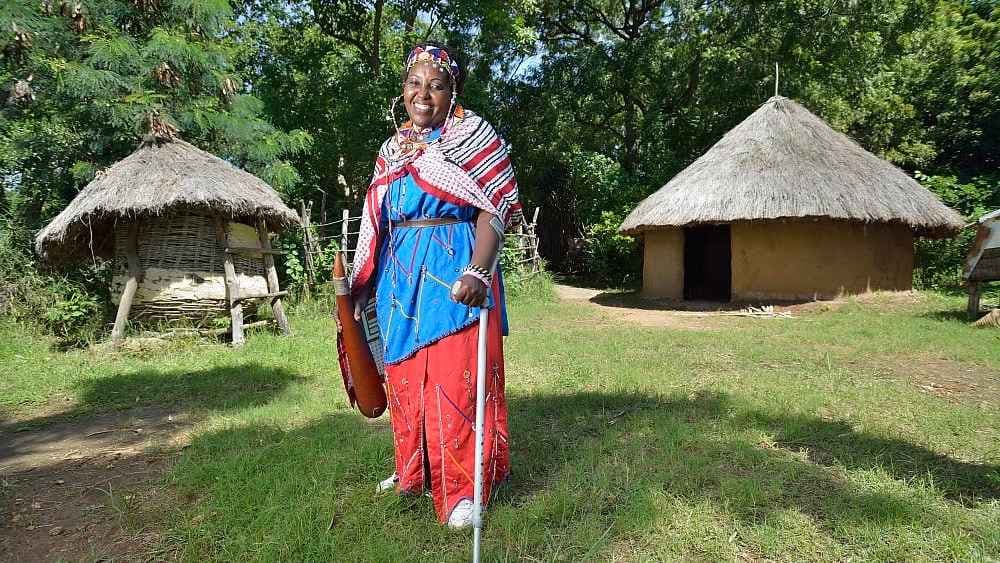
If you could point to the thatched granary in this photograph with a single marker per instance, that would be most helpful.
(784, 207)
(982, 265)
(188, 233)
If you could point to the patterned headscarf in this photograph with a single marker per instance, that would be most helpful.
(438, 56)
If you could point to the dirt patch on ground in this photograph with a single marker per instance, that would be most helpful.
(889, 299)
(83, 489)
(97, 508)
(26, 445)
(950, 380)
(632, 309)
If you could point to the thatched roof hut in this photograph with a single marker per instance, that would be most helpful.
(188, 232)
(788, 208)
(155, 179)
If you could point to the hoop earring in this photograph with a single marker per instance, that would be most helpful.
(391, 116)
(449, 120)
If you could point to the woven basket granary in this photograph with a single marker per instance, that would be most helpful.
(182, 266)
(190, 216)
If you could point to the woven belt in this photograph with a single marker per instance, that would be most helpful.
(434, 222)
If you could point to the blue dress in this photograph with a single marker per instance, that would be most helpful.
(417, 267)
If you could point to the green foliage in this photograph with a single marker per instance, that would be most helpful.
(100, 75)
(69, 307)
(521, 277)
(599, 186)
(73, 313)
(293, 262)
(636, 443)
(602, 101)
(613, 260)
(939, 263)
(323, 261)
(971, 198)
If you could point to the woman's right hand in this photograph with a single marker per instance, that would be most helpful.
(359, 304)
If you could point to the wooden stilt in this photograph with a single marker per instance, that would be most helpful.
(232, 284)
(272, 278)
(974, 297)
(128, 294)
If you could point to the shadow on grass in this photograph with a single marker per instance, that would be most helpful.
(682, 426)
(633, 300)
(228, 387)
(582, 463)
(948, 316)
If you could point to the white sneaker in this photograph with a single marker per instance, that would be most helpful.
(461, 515)
(387, 484)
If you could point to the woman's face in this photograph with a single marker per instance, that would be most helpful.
(427, 95)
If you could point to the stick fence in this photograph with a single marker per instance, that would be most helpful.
(318, 237)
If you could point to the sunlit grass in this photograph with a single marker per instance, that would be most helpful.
(804, 439)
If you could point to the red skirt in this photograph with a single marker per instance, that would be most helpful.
(432, 403)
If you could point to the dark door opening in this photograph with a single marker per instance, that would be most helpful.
(707, 263)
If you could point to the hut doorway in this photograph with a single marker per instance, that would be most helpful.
(707, 263)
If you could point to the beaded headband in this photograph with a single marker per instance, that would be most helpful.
(434, 55)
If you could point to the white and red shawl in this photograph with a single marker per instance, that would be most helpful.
(468, 165)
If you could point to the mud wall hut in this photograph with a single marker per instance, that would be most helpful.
(784, 208)
(188, 233)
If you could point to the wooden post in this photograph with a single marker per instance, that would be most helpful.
(232, 284)
(345, 219)
(346, 215)
(313, 243)
(272, 278)
(322, 215)
(307, 246)
(128, 294)
(536, 260)
(974, 296)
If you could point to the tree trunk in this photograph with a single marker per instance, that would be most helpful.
(409, 18)
(376, 59)
(631, 156)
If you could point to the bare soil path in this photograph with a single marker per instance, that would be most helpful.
(68, 487)
(630, 308)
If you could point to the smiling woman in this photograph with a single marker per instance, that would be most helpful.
(442, 195)
(428, 93)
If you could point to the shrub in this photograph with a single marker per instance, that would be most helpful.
(73, 316)
(939, 263)
(293, 262)
(521, 279)
(613, 260)
(72, 307)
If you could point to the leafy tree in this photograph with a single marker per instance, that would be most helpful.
(86, 80)
(651, 84)
(331, 68)
(603, 101)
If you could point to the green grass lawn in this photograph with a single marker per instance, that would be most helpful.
(826, 437)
